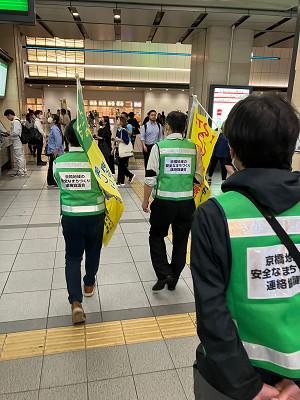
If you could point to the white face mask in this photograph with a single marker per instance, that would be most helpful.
(50, 120)
(41, 116)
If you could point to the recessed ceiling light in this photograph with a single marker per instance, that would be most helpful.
(48, 85)
(66, 86)
(133, 88)
(30, 85)
(76, 14)
(150, 89)
(167, 89)
(100, 87)
(117, 88)
(183, 90)
(117, 13)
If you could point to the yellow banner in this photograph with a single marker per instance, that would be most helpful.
(113, 200)
(205, 138)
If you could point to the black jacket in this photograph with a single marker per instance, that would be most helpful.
(226, 365)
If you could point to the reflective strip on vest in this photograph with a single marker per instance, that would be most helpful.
(72, 165)
(174, 194)
(181, 151)
(254, 227)
(83, 209)
(262, 353)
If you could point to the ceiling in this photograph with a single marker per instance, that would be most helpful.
(169, 23)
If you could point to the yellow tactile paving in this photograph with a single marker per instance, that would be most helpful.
(141, 330)
(60, 340)
(104, 335)
(139, 191)
(176, 326)
(194, 319)
(24, 345)
(2, 340)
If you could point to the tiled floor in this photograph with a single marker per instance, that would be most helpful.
(33, 296)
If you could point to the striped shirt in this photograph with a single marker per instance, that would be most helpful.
(152, 134)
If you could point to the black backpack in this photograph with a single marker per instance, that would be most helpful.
(30, 136)
(25, 134)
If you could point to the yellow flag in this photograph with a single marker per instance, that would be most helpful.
(113, 200)
(205, 138)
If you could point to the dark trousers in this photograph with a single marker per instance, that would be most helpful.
(82, 233)
(50, 177)
(204, 391)
(147, 154)
(163, 214)
(123, 170)
(213, 163)
(39, 149)
(66, 144)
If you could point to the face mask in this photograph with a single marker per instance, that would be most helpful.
(41, 117)
(50, 120)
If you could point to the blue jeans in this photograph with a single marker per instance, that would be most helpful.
(82, 233)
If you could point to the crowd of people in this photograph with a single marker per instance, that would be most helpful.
(245, 258)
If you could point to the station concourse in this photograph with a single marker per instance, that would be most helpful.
(131, 57)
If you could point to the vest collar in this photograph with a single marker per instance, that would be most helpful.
(76, 150)
(174, 136)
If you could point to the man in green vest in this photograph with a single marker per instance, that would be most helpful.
(246, 283)
(174, 166)
(83, 212)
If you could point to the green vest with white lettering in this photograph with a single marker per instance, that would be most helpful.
(176, 170)
(79, 191)
(263, 295)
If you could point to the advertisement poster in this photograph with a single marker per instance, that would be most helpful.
(223, 98)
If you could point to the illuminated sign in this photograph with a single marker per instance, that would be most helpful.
(223, 98)
(3, 79)
(17, 11)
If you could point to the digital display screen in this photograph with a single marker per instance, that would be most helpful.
(17, 11)
(3, 78)
(223, 98)
(17, 5)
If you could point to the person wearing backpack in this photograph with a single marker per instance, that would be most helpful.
(15, 134)
(246, 267)
(151, 133)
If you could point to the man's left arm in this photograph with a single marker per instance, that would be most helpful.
(151, 176)
(198, 177)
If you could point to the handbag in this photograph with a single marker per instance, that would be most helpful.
(275, 225)
(116, 157)
(125, 150)
(35, 136)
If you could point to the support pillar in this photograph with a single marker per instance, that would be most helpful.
(220, 55)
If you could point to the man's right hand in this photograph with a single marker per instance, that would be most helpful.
(268, 393)
(288, 390)
(145, 149)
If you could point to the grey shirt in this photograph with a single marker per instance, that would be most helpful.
(152, 134)
(15, 131)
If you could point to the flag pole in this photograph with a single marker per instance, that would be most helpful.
(207, 115)
(191, 116)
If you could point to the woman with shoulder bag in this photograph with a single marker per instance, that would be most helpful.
(123, 148)
(55, 147)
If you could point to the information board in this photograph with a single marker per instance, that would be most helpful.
(17, 11)
(16, 5)
(3, 78)
(223, 98)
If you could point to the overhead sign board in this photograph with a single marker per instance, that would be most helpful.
(17, 11)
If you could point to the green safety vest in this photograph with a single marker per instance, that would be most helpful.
(176, 170)
(79, 191)
(263, 295)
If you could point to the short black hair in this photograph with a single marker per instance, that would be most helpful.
(177, 121)
(151, 111)
(37, 112)
(131, 114)
(70, 134)
(263, 130)
(124, 113)
(63, 111)
(55, 119)
(9, 112)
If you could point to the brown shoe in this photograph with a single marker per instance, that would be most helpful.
(88, 291)
(78, 315)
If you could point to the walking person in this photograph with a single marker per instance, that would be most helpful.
(151, 133)
(245, 265)
(173, 167)
(29, 123)
(65, 121)
(55, 147)
(135, 127)
(104, 138)
(15, 134)
(122, 136)
(83, 212)
(221, 154)
(38, 115)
